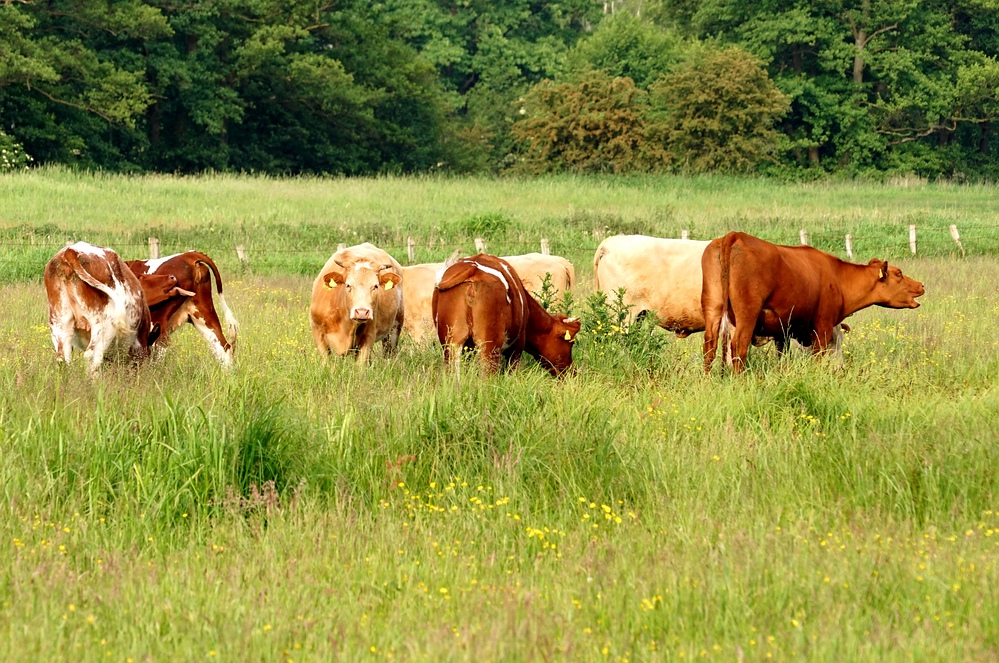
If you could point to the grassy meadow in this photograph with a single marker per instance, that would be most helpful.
(637, 510)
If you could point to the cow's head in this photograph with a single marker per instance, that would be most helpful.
(361, 282)
(555, 347)
(894, 289)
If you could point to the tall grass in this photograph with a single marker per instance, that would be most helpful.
(636, 510)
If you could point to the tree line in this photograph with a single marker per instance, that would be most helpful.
(523, 86)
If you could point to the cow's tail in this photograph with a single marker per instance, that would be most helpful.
(570, 276)
(727, 322)
(601, 252)
(230, 320)
(119, 314)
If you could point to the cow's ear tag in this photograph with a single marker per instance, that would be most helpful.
(389, 285)
(330, 284)
(568, 336)
(881, 274)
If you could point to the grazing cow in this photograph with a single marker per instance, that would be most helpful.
(788, 292)
(191, 302)
(95, 304)
(418, 283)
(659, 275)
(356, 302)
(480, 302)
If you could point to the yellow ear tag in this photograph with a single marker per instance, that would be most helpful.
(330, 284)
(389, 285)
(568, 336)
(881, 274)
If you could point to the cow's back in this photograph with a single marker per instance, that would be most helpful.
(659, 275)
(533, 267)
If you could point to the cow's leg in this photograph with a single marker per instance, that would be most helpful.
(823, 336)
(390, 344)
(62, 339)
(101, 337)
(742, 333)
(712, 329)
(211, 330)
(490, 355)
(319, 338)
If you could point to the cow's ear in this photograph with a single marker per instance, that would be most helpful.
(333, 278)
(883, 271)
(389, 279)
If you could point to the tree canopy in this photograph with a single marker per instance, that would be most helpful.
(345, 87)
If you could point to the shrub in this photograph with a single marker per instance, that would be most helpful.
(716, 113)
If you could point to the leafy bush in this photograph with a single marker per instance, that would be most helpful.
(716, 113)
(596, 125)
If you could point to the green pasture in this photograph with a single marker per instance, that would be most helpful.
(637, 510)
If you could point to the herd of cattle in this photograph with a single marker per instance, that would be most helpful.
(737, 289)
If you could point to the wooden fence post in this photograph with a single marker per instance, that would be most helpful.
(154, 248)
(480, 245)
(545, 249)
(803, 236)
(684, 234)
(411, 249)
(912, 238)
(956, 237)
(241, 254)
(849, 246)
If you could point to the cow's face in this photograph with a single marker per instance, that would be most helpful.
(894, 289)
(361, 285)
(556, 352)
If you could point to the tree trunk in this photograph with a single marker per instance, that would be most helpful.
(813, 155)
(983, 139)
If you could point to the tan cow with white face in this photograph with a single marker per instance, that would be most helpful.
(356, 302)
(96, 304)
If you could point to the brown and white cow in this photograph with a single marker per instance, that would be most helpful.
(97, 304)
(662, 276)
(418, 283)
(480, 302)
(357, 301)
(751, 286)
(191, 302)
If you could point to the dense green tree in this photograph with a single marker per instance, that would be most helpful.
(718, 112)
(595, 125)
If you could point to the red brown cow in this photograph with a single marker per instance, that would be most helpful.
(191, 302)
(480, 302)
(788, 292)
(356, 302)
(95, 304)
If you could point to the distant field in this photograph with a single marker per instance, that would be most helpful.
(291, 226)
(637, 510)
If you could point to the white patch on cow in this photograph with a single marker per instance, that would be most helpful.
(155, 263)
(223, 357)
(497, 274)
(89, 249)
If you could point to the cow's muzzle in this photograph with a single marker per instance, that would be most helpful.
(360, 314)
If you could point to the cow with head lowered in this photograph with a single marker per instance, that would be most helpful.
(356, 302)
(418, 282)
(481, 303)
(96, 304)
(798, 293)
(192, 302)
